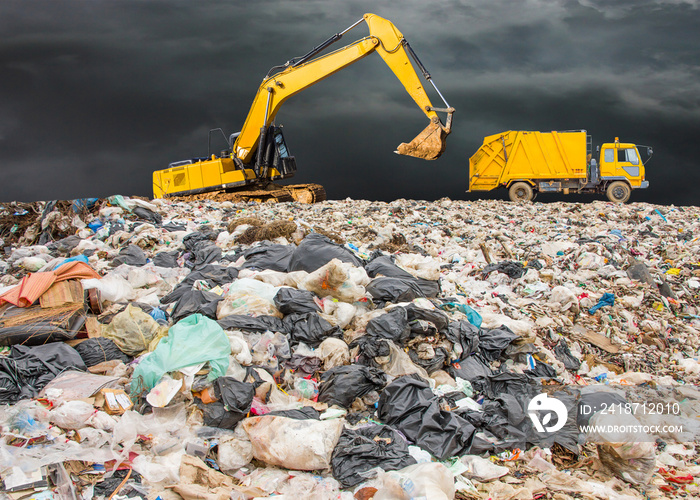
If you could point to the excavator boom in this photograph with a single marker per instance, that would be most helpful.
(298, 75)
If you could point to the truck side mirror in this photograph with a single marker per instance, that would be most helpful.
(597, 149)
(650, 151)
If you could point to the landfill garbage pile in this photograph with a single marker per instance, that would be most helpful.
(349, 349)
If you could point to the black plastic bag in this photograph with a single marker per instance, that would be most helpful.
(304, 413)
(149, 215)
(437, 362)
(252, 324)
(342, 384)
(563, 354)
(435, 316)
(48, 330)
(464, 334)
(100, 349)
(392, 325)
(196, 301)
(317, 250)
(269, 256)
(28, 369)
(408, 404)
(205, 255)
(131, 255)
(394, 290)
(309, 328)
(65, 245)
(493, 342)
(363, 449)
(234, 400)
(473, 368)
(514, 270)
(205, 236)
(383, 265)
(291, 300)
(166, 259)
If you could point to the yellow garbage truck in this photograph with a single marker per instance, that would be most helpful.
(527, 163)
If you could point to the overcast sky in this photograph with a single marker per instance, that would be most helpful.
(96, 95)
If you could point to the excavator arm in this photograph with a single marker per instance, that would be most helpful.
(299, 74)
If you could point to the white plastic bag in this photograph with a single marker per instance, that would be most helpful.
(293, 444)
(426, 480)
(72, 414)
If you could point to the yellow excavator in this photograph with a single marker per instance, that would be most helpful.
(258, 154)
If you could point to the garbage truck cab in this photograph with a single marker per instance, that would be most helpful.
(528, 162)
(622, 162)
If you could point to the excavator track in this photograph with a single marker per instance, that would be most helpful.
(272, 193)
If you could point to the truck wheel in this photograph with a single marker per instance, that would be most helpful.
(521, 191)
(618, 192)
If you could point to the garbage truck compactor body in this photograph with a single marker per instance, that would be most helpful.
(258, 153)
(526, 163)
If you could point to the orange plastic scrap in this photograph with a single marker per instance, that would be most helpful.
(35, 285)
(29, 289)
(75, 270)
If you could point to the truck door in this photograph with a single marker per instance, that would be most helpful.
(628, 161)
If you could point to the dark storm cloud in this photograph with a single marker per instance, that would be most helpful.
(98, 94)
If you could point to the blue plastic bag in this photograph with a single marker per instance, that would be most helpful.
(608, 299)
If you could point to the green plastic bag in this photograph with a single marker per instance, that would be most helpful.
(192, 340)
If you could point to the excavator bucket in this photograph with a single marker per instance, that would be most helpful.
(428, 145)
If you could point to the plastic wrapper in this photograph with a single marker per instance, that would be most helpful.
(333, 352)
(398, 363)
(239, 348)
(426, 480)
(112, 288)
(132, 330)
(72, 414)
(243, 303)
(333, 279)
(363, 449)
(193, 340)
(293, 444)
(627, 453)
(481, 469)
(235, 451)
(337, 313)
